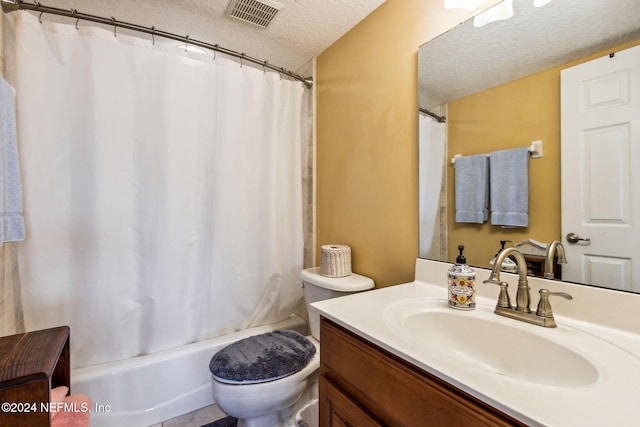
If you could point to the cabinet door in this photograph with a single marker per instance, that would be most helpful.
(394, 391)
(338, 410)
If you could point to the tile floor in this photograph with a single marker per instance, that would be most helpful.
(197, 418)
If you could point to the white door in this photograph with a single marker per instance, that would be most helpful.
(601, 170)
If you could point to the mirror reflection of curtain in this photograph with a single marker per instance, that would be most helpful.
(432, 185)
(162, 191)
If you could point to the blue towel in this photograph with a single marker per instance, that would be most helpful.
(472, 188)
(510, 187)
(11, 220)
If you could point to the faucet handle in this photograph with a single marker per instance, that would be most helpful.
(544, 307)
(503, 298)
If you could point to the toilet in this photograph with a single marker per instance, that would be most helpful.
(269, 399)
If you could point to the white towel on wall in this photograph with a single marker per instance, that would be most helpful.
(11, 220)
(472, 188)
(510, 187)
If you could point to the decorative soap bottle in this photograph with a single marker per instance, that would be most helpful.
(461, 284)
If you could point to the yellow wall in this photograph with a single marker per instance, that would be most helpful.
(508, 116)
(367, 137)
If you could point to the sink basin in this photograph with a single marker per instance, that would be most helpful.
(492, 344)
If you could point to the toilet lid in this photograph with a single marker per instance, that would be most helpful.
(262, 358)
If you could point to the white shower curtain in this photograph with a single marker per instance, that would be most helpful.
(162, 190)
(431, 155)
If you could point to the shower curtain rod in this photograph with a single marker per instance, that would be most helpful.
(13, 5)
(439, 119)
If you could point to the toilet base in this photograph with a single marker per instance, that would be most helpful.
(268, 420)
(285, 417)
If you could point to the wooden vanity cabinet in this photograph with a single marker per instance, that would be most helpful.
(362, 384)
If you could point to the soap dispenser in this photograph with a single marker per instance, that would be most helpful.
(461, 284)
(508, 265)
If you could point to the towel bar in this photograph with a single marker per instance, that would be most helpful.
(535, 149)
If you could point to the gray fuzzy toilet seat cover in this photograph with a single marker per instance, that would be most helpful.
(262, 358)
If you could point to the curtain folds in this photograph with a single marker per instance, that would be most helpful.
(162, 191)
(431, 155)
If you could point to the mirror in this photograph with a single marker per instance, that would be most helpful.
(515, 62)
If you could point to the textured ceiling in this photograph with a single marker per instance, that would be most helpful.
(466, 60)
(300, 31)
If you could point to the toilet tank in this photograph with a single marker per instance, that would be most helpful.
(317, 288)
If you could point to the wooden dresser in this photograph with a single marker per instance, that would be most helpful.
(31, 364)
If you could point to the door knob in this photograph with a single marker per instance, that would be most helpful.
(574, 238)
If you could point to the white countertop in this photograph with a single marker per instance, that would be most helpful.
(613, 348)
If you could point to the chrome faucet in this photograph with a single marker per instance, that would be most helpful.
(553, 248)
(543, 315)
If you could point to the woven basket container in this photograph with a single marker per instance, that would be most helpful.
(335, 261)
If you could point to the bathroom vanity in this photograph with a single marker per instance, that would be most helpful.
(362, 384)
(401, 356)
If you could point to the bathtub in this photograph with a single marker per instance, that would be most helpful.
(146, 390)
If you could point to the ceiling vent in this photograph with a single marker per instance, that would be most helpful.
(255, 12)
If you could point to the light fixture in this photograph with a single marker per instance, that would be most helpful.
(499, 12)
(540, 3)
(464, 4)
